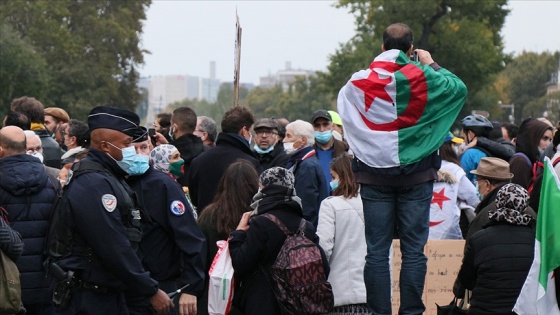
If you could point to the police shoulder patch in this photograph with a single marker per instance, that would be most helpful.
(109, 202)
(177, 208)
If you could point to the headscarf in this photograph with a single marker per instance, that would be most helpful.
(511, 202)
(277, 187)
(159, 156)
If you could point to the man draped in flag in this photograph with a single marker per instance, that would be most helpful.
(396, 115)
(538, 295)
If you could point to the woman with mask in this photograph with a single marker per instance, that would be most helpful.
(235, 191)
(172, 245)
(532, 139)
(166, 158)
(342, 237)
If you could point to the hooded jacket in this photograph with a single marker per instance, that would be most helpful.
(189, 146)
(27, 193)
(530, 133)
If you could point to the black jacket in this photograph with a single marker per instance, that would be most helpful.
(276, 157)
(207, 169)
(51, 150)
(254, 251)
(27, 193)
(173, 246)
(190, 146)
(496, 263)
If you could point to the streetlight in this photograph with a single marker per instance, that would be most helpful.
(510, 106)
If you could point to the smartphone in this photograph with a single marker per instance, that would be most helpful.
(414, 56)
(152, 136)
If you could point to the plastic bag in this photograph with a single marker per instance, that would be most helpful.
(220, 287)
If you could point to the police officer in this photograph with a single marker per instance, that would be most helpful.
(173, 247)
(103, 225)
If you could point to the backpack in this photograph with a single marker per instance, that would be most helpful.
(536, 168)
(299, 280)
(10, 283)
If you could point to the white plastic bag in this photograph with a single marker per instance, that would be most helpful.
(220, 288)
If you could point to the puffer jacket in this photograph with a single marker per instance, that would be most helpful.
(496, 263)
(27, 193)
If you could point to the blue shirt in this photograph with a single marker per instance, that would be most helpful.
(325, 158)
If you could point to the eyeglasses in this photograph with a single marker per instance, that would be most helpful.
(265, 133)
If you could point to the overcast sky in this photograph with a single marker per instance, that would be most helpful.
(184, 36)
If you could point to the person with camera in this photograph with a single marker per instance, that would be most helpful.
(396, 115)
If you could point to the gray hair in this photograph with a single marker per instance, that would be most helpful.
(302, 128)
(208, 125)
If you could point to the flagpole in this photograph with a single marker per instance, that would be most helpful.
(237, 60)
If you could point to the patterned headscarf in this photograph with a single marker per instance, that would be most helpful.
(511, 202)
(277, 176)
(159, 157)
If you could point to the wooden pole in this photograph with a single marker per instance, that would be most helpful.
(237, 60)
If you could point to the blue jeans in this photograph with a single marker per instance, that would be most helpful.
(409, 207)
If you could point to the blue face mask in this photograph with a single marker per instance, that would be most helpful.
(261, 151)
(323, 136)
(131, 163)
(334, 185)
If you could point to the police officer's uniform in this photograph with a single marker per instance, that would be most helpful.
(105, 228)
(173, 248)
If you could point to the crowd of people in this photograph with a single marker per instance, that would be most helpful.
(385, 165)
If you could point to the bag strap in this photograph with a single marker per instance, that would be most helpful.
(282, 226)
(556, 161)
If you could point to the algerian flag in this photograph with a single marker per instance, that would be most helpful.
(538, 295)
(398, 112)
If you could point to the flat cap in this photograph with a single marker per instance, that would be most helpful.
(57, 113)
(266, 123)
(114, 118)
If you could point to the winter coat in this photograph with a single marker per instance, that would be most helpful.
(51, 149)
(27, 193)
(444, 210)
(255, 250)
(341, 234)
(208, 168)
(495, 265)
(275, 158)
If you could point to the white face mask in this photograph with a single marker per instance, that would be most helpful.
(36, 154)
(289, 147)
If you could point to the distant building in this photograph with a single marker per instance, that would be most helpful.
(553, 104)
(284, 77)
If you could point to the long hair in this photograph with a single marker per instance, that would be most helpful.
(448, 154)
(235, 191)
(347, 185)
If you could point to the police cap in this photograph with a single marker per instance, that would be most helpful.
(114, 118)
(141, 135)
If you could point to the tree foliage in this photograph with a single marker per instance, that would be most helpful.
(462, 36)
(91, 49)
(528, 75)
(22, 70)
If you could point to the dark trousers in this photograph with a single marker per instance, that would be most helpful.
(87, 302)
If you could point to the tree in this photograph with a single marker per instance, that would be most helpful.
(91, 49)
(22, 70)
(528, 75)
(462, 35)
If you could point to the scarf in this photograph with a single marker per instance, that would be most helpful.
(511, 203)
(159, 156)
